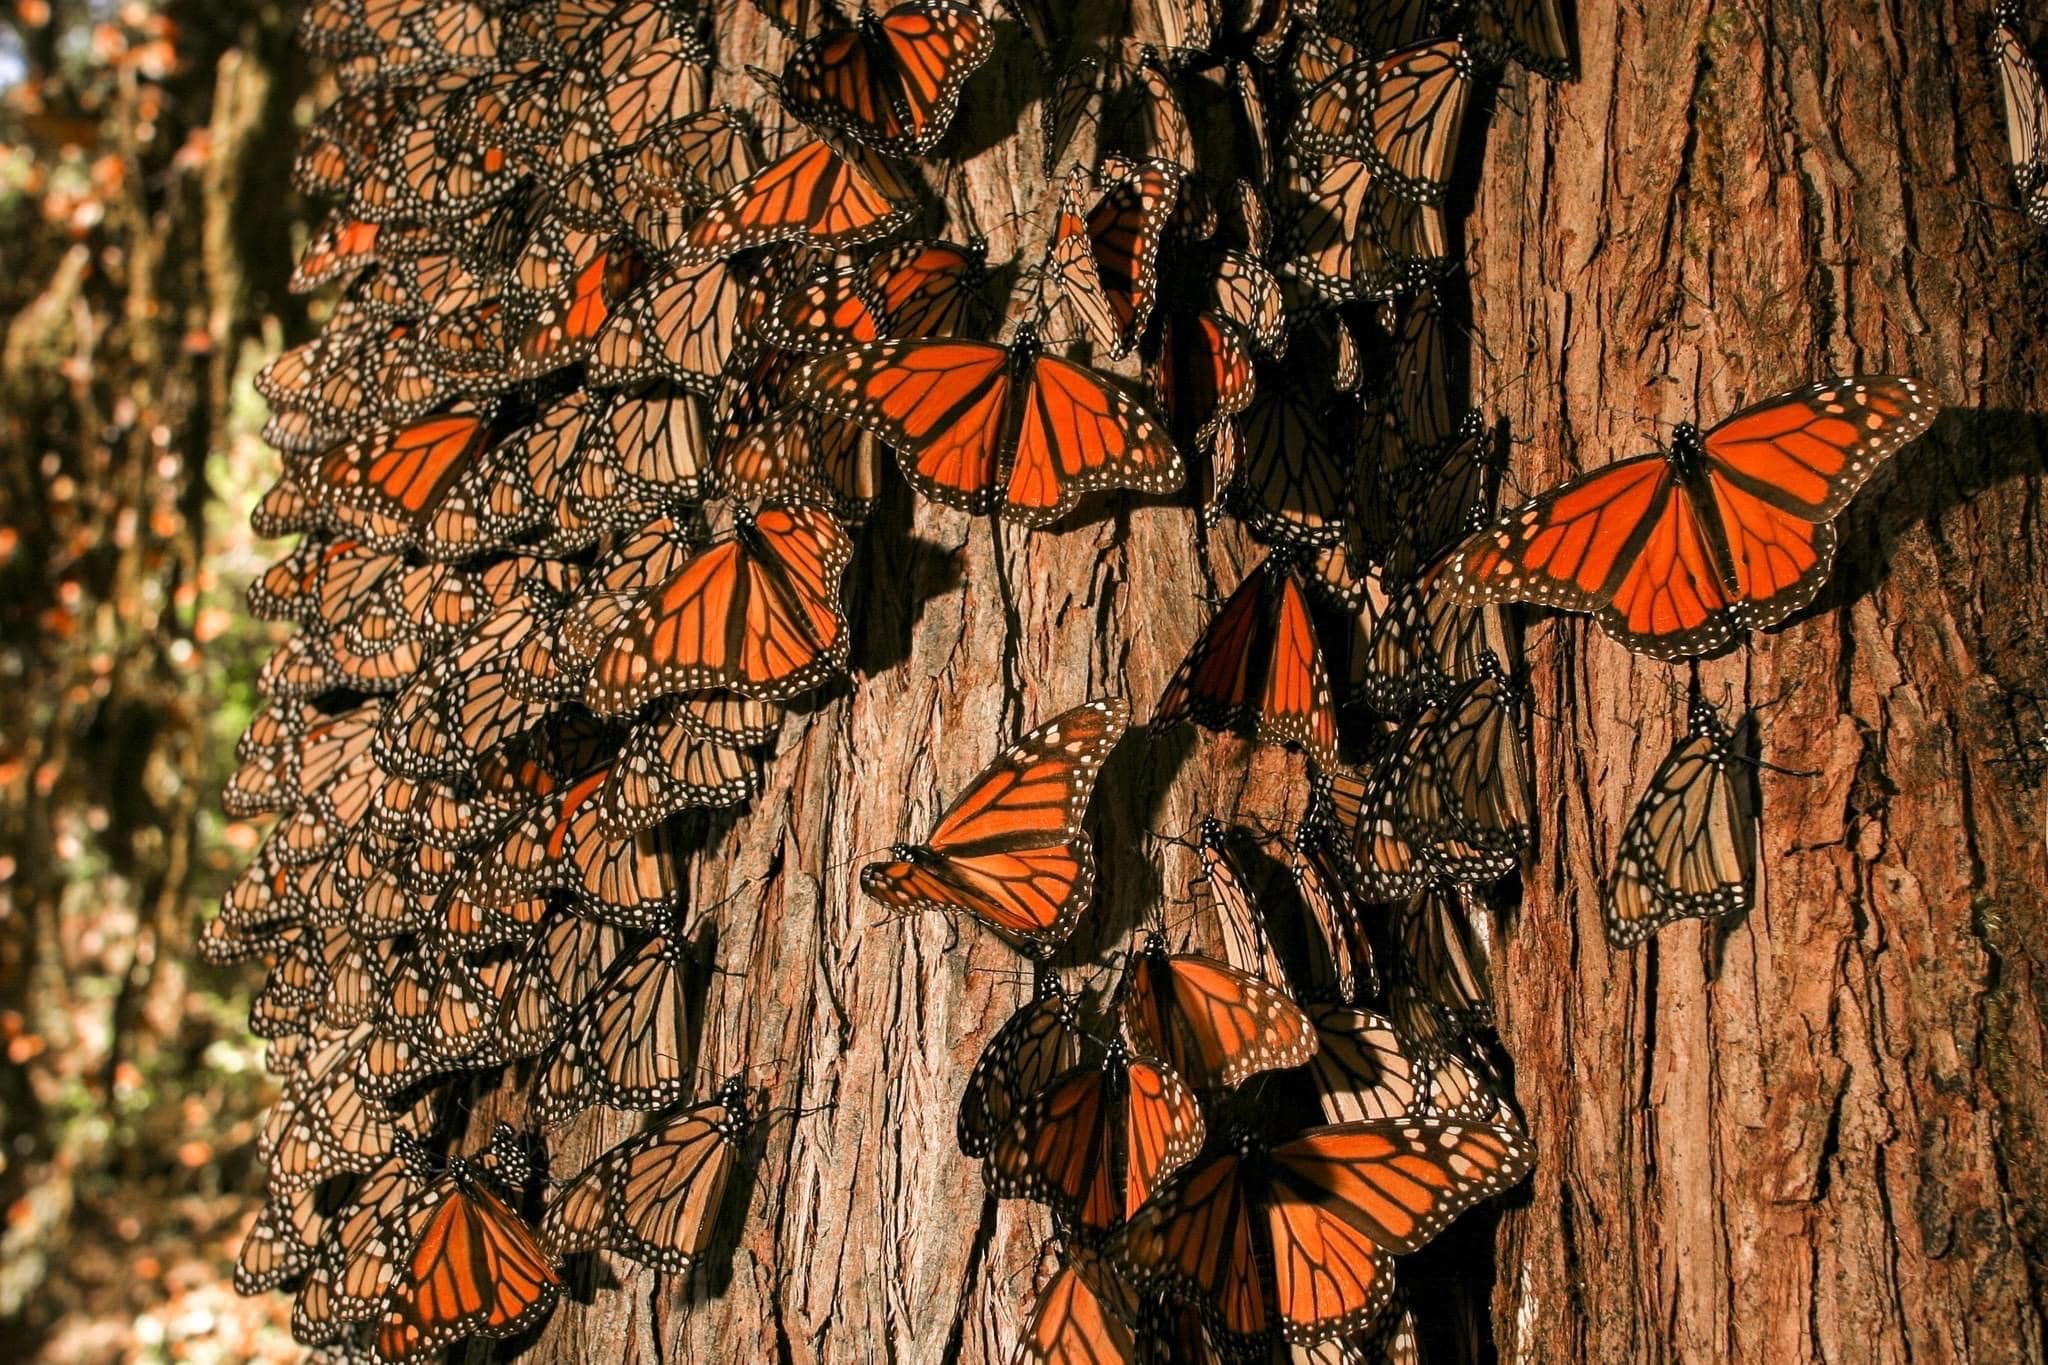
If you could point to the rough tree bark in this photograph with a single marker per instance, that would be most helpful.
(1815, 1136)
(1809, 1137)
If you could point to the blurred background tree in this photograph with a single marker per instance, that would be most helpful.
(143, 253)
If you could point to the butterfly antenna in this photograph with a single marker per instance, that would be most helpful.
(865, 855)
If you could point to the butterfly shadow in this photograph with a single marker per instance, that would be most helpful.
(1128, 797)
(996, 97)
(1966, 452)
(894, 573)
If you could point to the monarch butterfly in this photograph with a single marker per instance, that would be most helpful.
(1105, 259)
(656, 1197)
(1291, 484)
(1324, 1211)
(1453, 1085)
(422, 176)
(408, 489)
(338, 247)
(2026, 110)
(1729, 530)
(562, 844)
(466, 701)
(1220, 887)
(812, 195)
(1214, 1025)
(1427, 642)
(1084, 1316)
(349, 1281)
(652, 77)
(684, 326)
(1448, 800)
(325, 1126)
(282, 1242)
(1040, 1041)
(1341, 954)
(1348, 238)
(1009, 850)
(1249, 296)
(990, 427)
(665, 766)
(1400, 114)
(558, 968)
(473, 1268)
(1442, 494)
(1127, 101)
(1530, 33)
(630, 1044)
(585, 277)
(1257, 667)
(636, 563)
(1441, 953)
(756, 614)
(1204, 376)
(1689, 849)
(892, 80)
(1096, 1140)
(693, 161)
(798, 455)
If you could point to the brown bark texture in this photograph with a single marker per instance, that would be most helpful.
(862, 1233)
(1808, 1135)
(1816, 1134)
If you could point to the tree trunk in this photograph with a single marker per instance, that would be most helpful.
(1813, 1136)
(1817, 1143)
(864, 1234)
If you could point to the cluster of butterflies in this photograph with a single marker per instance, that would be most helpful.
(1184, 1238)
(578, 462)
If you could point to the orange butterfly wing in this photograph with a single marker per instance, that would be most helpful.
(813, 195)
(757, 614)
(1163, 1130)
(1257, 667)
(1080, 434)
(1213, 1024)
(1083, 1317)
(1097, 1140)
(1671, 577)
(893, 82)
(1782, 469)
(1342, 1197)
(475, 1270)
(1621, 542)
(948, 408)
(1198, 1237)
(942, 404)
(1009, 849)
(388, 488)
